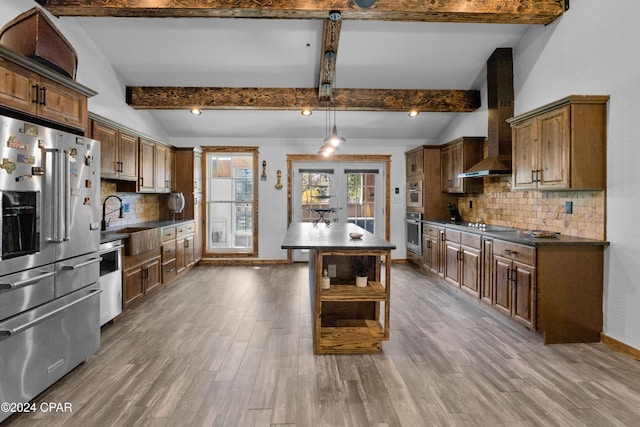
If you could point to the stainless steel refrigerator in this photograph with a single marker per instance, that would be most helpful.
(49, 260)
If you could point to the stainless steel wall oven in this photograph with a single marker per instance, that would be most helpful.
(414, 232)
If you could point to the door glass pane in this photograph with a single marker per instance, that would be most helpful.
(318, 193)
(361, 194)
(230, 199)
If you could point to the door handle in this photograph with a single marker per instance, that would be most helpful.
(22, 283)
(36, 94)
(82, 264)
(25, 326)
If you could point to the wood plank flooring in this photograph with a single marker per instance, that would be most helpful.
(231, 346)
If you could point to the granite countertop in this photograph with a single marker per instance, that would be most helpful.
(304, 235)
(110, 236)
(512, 235)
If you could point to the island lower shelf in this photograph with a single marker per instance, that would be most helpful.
(350, 319)
(345, 318)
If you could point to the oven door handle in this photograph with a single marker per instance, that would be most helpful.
(82, 264)
(22, 283)
(33, 322)
(111, 249)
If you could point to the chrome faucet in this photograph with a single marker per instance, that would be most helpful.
(105, 223)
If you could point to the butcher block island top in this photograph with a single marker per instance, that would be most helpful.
(346, 318)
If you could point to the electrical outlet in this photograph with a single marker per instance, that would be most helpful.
(331, 270)
(568, 208)
(125, 207)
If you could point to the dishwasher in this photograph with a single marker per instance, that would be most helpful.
(110, 280)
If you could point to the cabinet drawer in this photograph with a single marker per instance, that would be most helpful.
(169, 271)
(471, 240)
(181, 230)
(515, 252)
(168, 233)
(453, 235)
(168, 251)
(190, 228)
(430, 230)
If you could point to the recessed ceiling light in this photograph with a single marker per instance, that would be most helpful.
(196, 111)
(306, 112)
(413, 113)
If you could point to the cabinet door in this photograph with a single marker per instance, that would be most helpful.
(433, 262)
(456, 165)
(553, 146)
(441, 251)
(470, 270)
(197, 172)
(61, 104)
(197, 217)
(152, 275)
(132, 286)
(189, 254)
(107, 136)
(171, 169)
(162, 177)
(502, 284)
(523, 294)
(180, 255)
(426, 252)
(128, 156)
(524, 154)
(415, 163)
(451, 267)
(147, 165)
(17, 88)
(486, 288)
(445, 167)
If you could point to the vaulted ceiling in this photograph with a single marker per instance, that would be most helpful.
(253, 74)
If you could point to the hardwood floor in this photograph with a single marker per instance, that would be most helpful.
(231, 346)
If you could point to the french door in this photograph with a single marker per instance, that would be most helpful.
(341, 192)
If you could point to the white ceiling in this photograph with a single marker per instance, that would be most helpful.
(286, 53)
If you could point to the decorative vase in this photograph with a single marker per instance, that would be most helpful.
(361, 281)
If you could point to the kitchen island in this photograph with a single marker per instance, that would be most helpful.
(346, 318)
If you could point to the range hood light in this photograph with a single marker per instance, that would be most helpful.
(196, 111)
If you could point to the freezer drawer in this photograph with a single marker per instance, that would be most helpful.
(40, 346)
(75, 273)
(22, 291)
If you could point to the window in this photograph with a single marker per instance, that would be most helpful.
(231, 223)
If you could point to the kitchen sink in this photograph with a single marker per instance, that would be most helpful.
(141, 239)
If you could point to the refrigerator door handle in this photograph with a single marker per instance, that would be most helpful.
(66, 178)
(82, 264)
(54, 185)
(22, 283)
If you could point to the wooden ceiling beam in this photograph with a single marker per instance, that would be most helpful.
(221, 98)
(328, 57)
(476, 11)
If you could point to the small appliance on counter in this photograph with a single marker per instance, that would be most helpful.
(175, 202)
(454, 213)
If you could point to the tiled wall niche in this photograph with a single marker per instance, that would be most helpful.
(544, 210)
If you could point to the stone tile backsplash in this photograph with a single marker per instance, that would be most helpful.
(142, 207)
(533, 209)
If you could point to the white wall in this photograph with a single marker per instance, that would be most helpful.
(95, 72)
(593, 49)
(273, 203)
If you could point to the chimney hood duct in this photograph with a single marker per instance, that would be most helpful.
(500, 105)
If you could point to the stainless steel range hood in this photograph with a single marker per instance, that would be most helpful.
(500, 108)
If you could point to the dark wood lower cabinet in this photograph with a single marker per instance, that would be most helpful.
(470, 259)
(140, 280)
(555, 288)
